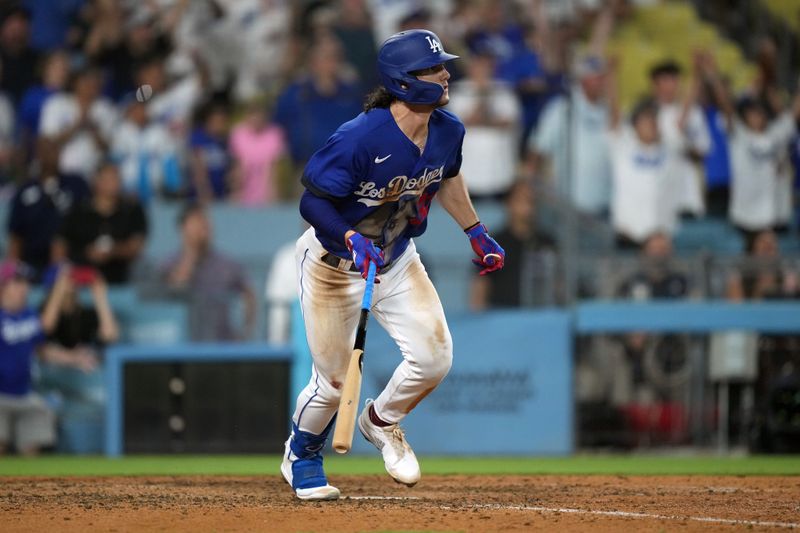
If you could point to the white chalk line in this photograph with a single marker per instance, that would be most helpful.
(626, 514)
(381, 498)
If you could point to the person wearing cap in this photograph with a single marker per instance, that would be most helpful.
(368, 193)
(26, 422)
(571, 137)
(570, 143)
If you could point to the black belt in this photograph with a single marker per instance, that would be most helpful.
(337, 262)
(342, 264)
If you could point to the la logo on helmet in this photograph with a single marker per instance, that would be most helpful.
(436, 46)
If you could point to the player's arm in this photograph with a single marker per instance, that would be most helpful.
(455, 199)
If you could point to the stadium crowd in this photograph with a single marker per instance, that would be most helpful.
(109, 105)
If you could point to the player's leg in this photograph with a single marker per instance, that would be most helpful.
(330, 300)
(409, 308)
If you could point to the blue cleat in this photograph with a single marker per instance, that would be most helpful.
(302, 466)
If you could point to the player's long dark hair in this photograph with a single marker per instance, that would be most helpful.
(378, 97)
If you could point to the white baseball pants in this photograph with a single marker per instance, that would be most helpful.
(404, 303)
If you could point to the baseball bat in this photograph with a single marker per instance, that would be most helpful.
(351, 390)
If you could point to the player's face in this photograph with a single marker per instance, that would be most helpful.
(436, 74)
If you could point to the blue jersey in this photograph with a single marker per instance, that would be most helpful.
(19, 334)
(377, 179)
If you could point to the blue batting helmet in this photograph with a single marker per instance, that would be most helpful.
(408, 51)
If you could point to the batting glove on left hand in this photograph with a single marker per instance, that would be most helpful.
(492, 256)
(364, 252)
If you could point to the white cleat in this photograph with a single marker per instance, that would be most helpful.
(321, 492)
(398, 457)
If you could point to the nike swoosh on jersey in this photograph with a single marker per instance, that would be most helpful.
(380, 160)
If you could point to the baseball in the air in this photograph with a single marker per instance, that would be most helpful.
(143, 93)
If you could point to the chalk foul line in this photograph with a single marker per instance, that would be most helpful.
(626, 514)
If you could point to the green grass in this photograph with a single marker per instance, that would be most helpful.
(259, 465)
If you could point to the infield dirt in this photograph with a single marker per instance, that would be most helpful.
(438, 503)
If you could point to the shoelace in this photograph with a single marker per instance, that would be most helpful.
(398, 440)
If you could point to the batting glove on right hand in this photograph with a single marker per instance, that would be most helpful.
(492, 256)
(364, 252)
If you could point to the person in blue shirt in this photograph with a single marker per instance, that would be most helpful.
(211, 162)
(23, 414)
(368, 193)
(313, 106)
(54, 78)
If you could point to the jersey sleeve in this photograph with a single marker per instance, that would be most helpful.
(335, 169)
(455, 166)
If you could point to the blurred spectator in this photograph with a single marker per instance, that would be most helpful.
(315, 104)
(496, 34)
(80, 330)
(526, 74)
(759, 153)
(80, 122)
(683, 131)
(262, 32)
(7, 136)
(644, 175)
(208, 279)
(146, 154)
(353, 28)
(587, 153)
(256, 146)
(530, 254)
(23, 414)
(38, 208)
(119, 42)
(51, 21)
(717, 163)
(106, 232)
(16, 55)
(54, 78)
(656, 278)
(489, 110)
(211, 163)
(656, 370)
(762, 276)
(173, 101)
(280, 293)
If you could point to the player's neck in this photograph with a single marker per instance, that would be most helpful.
(412, 119)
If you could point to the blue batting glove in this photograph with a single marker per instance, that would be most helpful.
(492, 256)
(364, 252)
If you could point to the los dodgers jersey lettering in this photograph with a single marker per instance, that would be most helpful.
(376, 177)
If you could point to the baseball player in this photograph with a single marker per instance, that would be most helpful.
(368, 191)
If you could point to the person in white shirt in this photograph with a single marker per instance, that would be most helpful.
(687, 135)
(759, 152)
(491, 113)
(580, 165)
(146, 153)
(81, 123)
(172, 102)
(644, 171)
